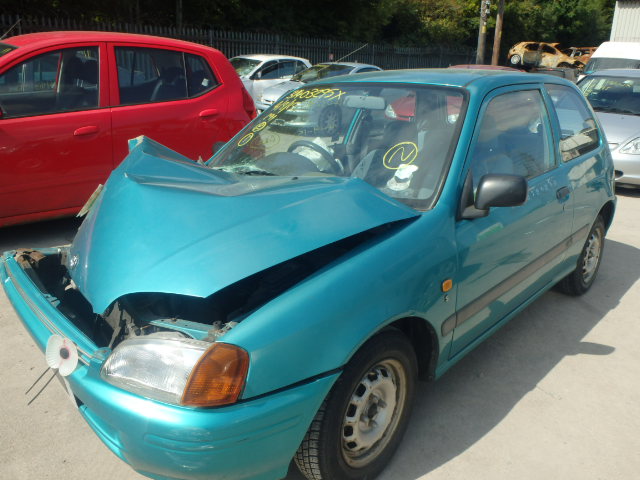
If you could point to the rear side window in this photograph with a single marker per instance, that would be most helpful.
(579, 134)
(54, 82)
(147, 75)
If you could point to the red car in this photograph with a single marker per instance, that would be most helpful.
(69, 101)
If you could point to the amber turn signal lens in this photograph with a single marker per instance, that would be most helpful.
(218, 377)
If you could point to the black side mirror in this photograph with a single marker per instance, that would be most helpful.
(497, 190)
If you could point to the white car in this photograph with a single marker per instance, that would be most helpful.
(258, 72)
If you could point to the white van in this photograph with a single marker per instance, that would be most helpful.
(614, 55)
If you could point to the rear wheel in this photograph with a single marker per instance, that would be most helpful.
(361, 422)
(581, 279)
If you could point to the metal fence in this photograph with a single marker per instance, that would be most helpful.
(239, 43)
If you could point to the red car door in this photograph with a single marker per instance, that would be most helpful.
(172, 96)
(55, 139)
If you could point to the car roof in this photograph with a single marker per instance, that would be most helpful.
(44, 39)
(264, 57)
(617, 72)
(481, 79)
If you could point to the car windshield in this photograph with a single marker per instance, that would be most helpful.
(613, 94)
(603, 63)
(244, 66)
(321, 71)
(398, 139)
(5, 48)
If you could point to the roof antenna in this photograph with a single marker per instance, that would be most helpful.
(347, 55)
(11, 28)
(351, 53)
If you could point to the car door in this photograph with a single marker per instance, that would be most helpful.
(513, 252)
(55, 143)
(172, 96)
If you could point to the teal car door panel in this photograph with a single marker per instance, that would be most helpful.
(499, 253)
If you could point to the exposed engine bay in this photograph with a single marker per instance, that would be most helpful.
(141, 314)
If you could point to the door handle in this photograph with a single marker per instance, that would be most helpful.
(209, 112)
(563, 193)
(88, 130)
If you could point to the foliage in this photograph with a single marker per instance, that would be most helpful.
(402, 22)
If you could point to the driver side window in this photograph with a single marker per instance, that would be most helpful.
(513, 137)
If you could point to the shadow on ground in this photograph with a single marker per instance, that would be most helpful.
(453, 413)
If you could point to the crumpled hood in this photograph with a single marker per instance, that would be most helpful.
(166, 224)
(618, 128)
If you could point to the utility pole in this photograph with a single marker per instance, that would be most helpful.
(497, 37)
(482, 33)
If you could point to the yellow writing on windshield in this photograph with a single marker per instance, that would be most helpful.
(403, 153)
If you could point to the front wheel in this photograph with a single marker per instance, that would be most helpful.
(361, 422)
(581, 279)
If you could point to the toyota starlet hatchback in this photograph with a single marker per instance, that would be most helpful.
(280, 301)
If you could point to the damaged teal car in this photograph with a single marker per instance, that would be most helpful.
(279, 302)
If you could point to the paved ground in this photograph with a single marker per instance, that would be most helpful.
(554, 394)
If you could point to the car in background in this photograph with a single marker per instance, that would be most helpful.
(615, 97)
(299, 283)
(614, 55)
(542, 54)
(258, 72)
(327, 116)
(70, 101)
(311, 74)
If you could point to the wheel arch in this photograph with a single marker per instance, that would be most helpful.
(424, 339)
(607, 212)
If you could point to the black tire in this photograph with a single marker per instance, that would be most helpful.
(377, 383)
(581, 279)
(329, 120)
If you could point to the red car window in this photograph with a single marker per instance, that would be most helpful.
(59, 81)
(200, 78)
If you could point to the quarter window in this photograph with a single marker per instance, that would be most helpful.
(200, 78)
(54, 82)
(513, 137)
(579, 133)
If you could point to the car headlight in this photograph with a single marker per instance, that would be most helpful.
(178, 370)
(632, 147)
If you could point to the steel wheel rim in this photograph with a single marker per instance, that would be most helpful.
(591, 256)
(373, 412)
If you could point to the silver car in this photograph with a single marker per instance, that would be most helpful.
(327, 118)
(615, 96)
(258, 72)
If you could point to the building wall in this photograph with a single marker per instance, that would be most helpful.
(626, 22)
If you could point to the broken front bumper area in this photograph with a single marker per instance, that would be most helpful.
(255, 438)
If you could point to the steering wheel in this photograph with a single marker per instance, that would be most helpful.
(335, 165)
